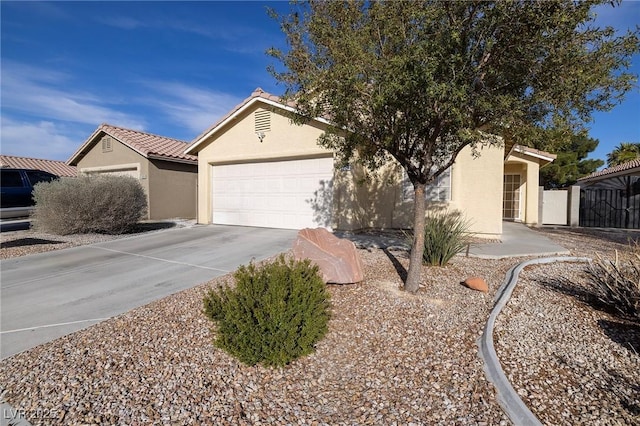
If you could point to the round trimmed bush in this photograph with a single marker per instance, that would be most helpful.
(103, 204)
(276, 312)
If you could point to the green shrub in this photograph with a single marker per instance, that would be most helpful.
(275, 313)
(103, 204)
(445, 235)
(616, 283)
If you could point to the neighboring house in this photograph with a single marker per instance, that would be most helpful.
(167, 174)
(58, 168)
(257, 168)
(611, 197)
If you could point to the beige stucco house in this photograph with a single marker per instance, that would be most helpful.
(167, 174)
(257, 168)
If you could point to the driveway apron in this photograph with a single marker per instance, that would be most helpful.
(49, 295)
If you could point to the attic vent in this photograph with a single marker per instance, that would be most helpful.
(263, 121)
(107, 144)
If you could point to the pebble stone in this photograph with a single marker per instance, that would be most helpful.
(389, 358)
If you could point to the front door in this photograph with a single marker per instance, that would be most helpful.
(511, 201)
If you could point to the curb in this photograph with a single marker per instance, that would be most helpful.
(507, 396)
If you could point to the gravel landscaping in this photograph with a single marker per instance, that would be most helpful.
(389, 357)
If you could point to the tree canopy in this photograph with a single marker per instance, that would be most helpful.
(622, 153)
(571, 162)
(421, 80)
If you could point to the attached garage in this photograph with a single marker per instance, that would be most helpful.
(276, 194)
(166, 173)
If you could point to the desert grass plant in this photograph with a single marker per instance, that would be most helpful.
(273, 315)
(446, 234)
(86, 204)
(616, 283)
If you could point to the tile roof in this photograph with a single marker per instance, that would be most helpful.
(533, 152)
(624, 167)
(256, 95)
(58, 168)
(146, 144)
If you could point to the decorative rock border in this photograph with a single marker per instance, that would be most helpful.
(507, 396)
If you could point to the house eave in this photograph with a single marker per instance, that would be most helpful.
(193, 148)
(172, 159)
(629, 172)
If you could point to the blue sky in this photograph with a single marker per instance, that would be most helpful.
(169, 68)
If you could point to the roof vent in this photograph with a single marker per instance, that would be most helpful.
(262, 123)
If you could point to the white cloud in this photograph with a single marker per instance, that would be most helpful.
(191, 107)
(43, 139)
(49, 95)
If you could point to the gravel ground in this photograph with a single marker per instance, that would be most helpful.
(31, 241)
(389, 358)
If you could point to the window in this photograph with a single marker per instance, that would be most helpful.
(37, 176)
(439, 191)
(11, 179)
(107, 144)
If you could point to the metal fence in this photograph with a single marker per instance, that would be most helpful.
(609, 208)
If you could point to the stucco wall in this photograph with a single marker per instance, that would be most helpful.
(360, 200)
(173, 188)
(170, 187)
(237, 142)
(476, 189)
(376, 200)
(120, 154)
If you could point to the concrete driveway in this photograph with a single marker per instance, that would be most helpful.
(49, 295)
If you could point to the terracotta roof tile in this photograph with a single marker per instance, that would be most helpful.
(146, 144)
(58, 168)
(629, 165)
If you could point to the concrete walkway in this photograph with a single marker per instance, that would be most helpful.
(517, 240)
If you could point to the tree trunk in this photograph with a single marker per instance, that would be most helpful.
(414, 276)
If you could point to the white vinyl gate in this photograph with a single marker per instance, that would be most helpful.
(554, 207)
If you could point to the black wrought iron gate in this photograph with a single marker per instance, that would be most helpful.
(610, 208)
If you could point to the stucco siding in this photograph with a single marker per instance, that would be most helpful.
(376, 199)
(476, 189)
(360, 200)
(365, 199)
(238, 143)
(173, 188)
(97, 159)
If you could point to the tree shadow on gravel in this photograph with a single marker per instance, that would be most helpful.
(624, 333)
(25, 242)
(400, 269)
(567, 287)
(624, 388)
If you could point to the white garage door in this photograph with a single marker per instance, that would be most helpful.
(117, 171)
(292, 194)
